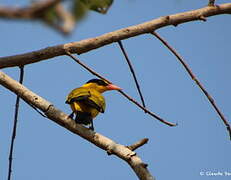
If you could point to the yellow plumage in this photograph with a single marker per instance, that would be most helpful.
(88, 95)
(87, 101)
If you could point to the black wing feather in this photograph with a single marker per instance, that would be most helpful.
(85, 99)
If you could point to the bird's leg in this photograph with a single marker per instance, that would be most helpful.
(71, 115)
(91, 125)
(77, 119)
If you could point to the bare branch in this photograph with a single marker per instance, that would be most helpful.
(62, 119)
(138, 144)
(14, 126)
(132, 71)
(182, 61)
(123, 93)
(86, 45)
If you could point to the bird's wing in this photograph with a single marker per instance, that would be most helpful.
(76, 93)
(87, 97)
(87, 101)
(97, 98)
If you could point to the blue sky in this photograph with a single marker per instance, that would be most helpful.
(200, 143)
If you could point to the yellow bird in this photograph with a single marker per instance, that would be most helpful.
(87, 101)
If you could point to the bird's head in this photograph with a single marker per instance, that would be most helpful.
(100, 85)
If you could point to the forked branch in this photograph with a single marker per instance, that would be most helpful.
(182, 61)
(123, 93)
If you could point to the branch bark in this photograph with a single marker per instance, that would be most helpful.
(63, 120)
(86, 45)
(138, 144)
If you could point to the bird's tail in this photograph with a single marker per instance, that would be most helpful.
(84, 118)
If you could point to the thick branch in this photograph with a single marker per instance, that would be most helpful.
(108, 38)
(62, 119)
(29, 12)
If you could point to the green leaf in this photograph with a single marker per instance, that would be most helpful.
(79, 9)
(100, 6)
(50, 16)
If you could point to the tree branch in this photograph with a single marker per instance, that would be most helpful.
(63, 23)
(63, 120)
(138, 144)
(86, 45)
(30, 12)
(133, 72)
(14, 132)
(199, 84)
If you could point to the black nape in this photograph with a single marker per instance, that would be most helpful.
(98, 81)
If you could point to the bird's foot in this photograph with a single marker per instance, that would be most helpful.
(91, 127)
(71, 115)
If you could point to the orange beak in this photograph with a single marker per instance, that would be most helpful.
(113, 87)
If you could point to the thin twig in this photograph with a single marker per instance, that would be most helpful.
(211, 100)
(124, 94)
(133, 72)
(138, 144)
(42, 114)
(15, 126)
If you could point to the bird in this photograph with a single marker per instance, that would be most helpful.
(87, 101)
